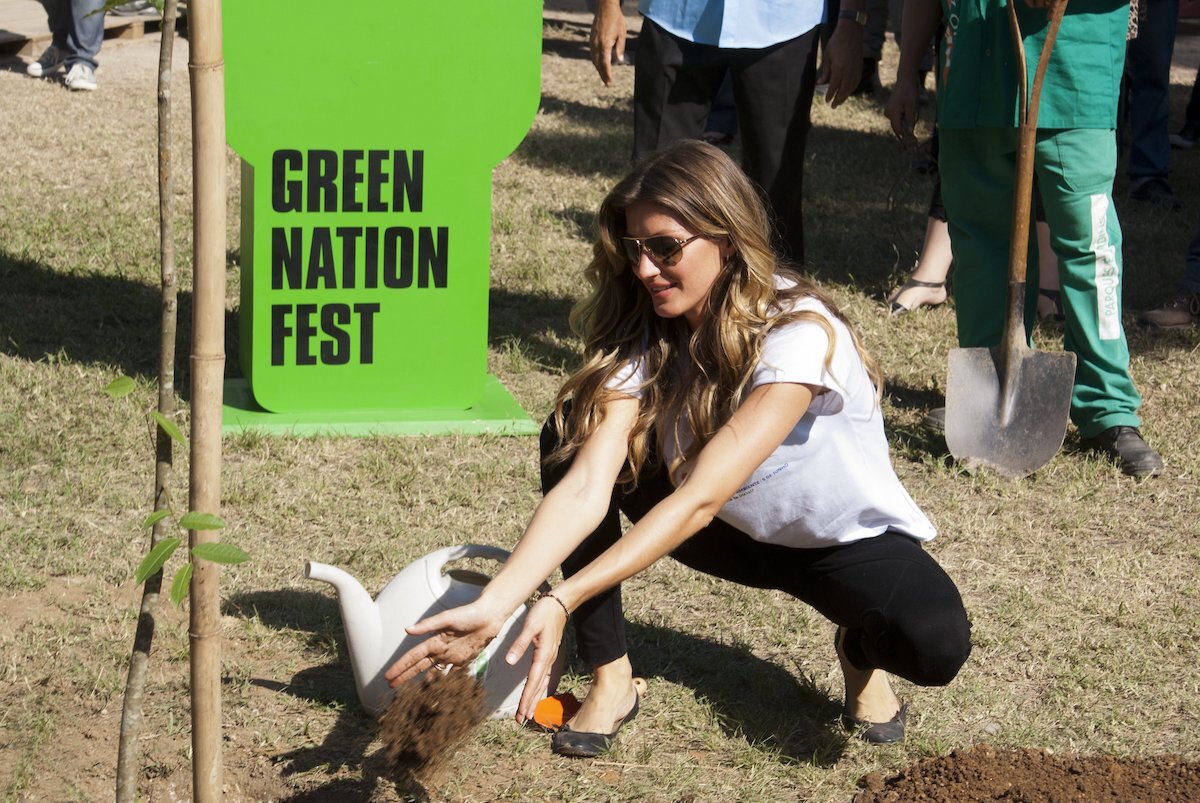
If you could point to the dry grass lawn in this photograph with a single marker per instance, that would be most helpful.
(1082, 584)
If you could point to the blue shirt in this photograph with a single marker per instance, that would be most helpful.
(735, 23)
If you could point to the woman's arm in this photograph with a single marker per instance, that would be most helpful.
(571, 511)
(564, 518)
(769, 413)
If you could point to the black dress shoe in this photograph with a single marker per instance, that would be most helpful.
(718, 138)
(1157, 192)
(1125, 447)
(888, 732)
(1185, 139)
(581, 744)
(935, 420)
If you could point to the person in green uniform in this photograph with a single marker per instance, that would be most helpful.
(1075, 162)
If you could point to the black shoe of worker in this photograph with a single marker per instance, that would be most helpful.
(1125, 447)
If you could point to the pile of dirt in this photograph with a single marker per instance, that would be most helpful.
(426, 720)
(1035, 776)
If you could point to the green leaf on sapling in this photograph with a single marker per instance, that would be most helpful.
(200, 521)
(168, 426)
(119, 387)
(179, 586)
(155, 559)
(156, 517)
(228, 554)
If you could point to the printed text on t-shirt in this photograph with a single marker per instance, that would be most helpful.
(749, 488)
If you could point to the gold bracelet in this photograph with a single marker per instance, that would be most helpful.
(561, 604)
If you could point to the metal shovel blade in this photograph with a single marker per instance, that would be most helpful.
(1013, 427)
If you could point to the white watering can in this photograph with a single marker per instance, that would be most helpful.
(375, 634)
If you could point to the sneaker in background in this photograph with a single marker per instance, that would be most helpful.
(135, 8)
(1181, 311)
(80, 77)
(47, 63)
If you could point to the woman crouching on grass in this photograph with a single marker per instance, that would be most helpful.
(727, 408)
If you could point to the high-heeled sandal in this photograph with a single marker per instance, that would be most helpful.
(896, 308)
(1054, 309)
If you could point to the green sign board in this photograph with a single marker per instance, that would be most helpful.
(368, 133)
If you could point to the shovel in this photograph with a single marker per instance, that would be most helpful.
(1007, 406)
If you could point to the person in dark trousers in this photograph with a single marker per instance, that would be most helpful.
(685, 49)
(1148, 78)
(728, 408)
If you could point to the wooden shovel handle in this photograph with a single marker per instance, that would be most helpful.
(1027, 118)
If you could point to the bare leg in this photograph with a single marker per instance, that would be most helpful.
(869, 695)
(932, 267)
(1047, 259)
(610, 698)
(1049, 305)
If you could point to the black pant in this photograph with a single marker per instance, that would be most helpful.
(675, 81)
(903, 612)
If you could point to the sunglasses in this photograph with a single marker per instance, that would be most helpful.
(662, 250)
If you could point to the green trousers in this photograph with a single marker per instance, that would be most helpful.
(1075, 169)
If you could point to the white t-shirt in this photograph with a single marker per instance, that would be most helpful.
(831, 480)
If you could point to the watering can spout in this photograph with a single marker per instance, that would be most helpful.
(364, 631)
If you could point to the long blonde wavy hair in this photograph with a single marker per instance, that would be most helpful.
(700, 376)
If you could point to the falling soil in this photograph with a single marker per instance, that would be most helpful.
(426, 720)
(1035, 776)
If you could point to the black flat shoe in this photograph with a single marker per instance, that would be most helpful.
(888, 732)
(581, 744)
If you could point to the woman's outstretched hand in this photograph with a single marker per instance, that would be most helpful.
(459, 635)
(543, 629)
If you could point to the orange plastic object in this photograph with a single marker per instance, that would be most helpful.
(553, 712)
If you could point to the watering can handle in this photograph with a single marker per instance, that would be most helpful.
(436, 560)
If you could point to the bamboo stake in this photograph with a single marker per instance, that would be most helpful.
(128, 755)
(207, 70)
